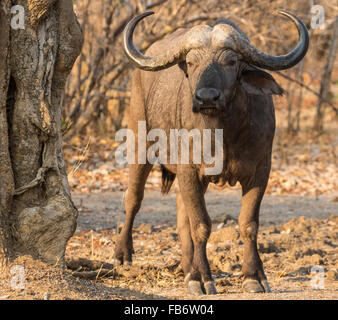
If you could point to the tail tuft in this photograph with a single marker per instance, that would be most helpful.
(168, 179)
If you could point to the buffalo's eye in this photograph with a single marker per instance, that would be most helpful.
(231, 63)
(189, 64)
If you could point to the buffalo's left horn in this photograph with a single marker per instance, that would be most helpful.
(166, 60)
(266, 61)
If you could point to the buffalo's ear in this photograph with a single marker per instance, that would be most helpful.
(259, 82)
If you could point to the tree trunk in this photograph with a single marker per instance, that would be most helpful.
(6, 175)
(37, 215)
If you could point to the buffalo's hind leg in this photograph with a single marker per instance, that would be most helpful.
(254, 276)
(138, 174)
(194, 260)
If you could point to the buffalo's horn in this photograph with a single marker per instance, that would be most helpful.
(166, 60)
(266, 61)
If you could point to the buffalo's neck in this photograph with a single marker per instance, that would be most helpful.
(236, 122)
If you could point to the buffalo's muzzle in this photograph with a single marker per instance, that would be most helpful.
(207, 100)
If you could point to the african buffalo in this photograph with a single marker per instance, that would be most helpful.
(207, 78)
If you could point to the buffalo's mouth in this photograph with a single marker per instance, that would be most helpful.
(207, 109)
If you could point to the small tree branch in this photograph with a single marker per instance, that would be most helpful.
(309, 89)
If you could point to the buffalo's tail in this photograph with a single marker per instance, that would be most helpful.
(168, 179)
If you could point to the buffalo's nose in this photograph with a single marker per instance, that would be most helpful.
(207, 95)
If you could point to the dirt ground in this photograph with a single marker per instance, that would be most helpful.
(296, 235)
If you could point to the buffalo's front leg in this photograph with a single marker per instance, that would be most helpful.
(192, 191)
(138, 175)
(254, 277)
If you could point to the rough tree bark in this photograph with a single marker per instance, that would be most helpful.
(6, 175)
(37, 215)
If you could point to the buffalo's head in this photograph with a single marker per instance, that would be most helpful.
(217, 60)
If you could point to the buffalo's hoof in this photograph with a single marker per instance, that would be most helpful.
(210, 288)
(120, 261)
(195, 288)
(123, 256)
(252, 286)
